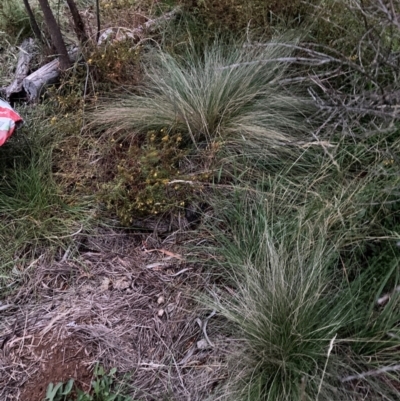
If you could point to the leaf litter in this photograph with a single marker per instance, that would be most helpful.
(104, 306)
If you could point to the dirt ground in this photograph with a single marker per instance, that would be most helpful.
(124, 300)
(58, 360)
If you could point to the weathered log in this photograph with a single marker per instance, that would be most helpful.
(49, 73)
(24, 58)
(46, 75)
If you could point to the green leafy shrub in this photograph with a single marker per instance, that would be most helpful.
(115, 63)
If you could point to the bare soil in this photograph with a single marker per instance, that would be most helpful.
(58, 360)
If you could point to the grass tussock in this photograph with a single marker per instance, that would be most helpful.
(307, 321)
(228, 91)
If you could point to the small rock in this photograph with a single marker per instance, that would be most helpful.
(160, 312)
(160, 300)
(121, 284)
(203, 344)
(105, 284)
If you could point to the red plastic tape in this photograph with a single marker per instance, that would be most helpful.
(8, 120)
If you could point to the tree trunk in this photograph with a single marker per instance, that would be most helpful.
(78, 22)
(32, 19)
(55, 34)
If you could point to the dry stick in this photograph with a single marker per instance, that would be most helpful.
(24, 58)
(32, 20)
(55, 34)
(376, 372)
(78, 22)
(98, 20)
(45, 75)
(299, 60)
(326, 363)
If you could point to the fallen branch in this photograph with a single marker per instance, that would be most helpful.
(24, 58)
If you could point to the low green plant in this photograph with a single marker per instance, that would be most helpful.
(14, 19)
(237, 15)
(148, 177)
(35, 217)
(102, 389)
(114, 64)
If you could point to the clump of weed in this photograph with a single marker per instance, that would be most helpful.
(115, 63)
(228, 96)
(307, 328)
(149, 178)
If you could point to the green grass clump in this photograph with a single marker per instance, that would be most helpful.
(305, 325)
(225, 97)
(36, 219)
(14, 19)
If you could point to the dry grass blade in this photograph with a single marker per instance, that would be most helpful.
(110, 304)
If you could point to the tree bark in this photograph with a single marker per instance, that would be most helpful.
(32, 19)
(79, 26)
(55, 34)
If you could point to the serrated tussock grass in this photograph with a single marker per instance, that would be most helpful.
(223, 90)
(303, 302)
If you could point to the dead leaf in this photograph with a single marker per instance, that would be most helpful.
(165, 252)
